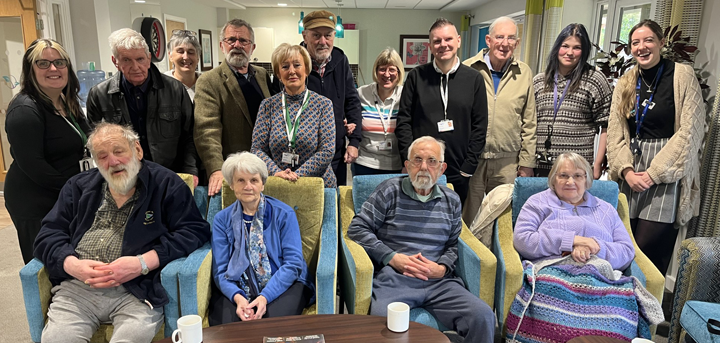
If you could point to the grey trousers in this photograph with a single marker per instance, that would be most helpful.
(446, 299)
(77, 310)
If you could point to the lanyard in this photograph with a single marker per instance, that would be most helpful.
(75, 126)
(556, 107)
(444, 88)
(381, 113)
(639, 120)
(290, 124)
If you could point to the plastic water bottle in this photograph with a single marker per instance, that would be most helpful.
(88, 78)
(97, 76)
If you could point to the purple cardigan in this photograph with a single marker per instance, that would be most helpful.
(547, 226)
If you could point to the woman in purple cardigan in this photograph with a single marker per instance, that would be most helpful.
(566, 219)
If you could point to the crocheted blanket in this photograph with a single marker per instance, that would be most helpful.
(561, 299)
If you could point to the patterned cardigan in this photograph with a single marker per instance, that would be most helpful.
(315, 143)
(679, 159)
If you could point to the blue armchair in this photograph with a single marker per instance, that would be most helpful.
(475, 264)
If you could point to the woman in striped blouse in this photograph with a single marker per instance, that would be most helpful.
(378, 151)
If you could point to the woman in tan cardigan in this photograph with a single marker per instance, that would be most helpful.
(657, 124)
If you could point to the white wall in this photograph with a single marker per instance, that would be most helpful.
(84, 28)
(378, 28)
(578, 11)
(494, 9)
(709, 44)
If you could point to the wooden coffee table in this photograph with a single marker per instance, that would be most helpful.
(337, 328)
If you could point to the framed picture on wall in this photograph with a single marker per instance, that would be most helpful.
(206, 61)
(415, 50)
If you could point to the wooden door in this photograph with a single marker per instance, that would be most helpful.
(17, 31)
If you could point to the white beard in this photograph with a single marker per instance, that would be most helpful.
(237, 58)
(423, 180)
(124, 183)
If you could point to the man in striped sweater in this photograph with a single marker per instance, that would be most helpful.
(409, 227)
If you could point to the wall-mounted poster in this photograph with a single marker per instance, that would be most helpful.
(415, 50)
(206, 44)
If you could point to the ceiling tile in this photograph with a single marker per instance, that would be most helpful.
(432, 4)
(371, 3)
(395, 4)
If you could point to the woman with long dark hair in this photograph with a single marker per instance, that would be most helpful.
(657, 124)
(47, 133)
(573, 103)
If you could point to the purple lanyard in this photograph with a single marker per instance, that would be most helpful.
(556, 105)
(639, 121)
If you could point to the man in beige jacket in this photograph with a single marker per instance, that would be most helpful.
(510, 143)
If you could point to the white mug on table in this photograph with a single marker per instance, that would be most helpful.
(398, 317)
(189, 329)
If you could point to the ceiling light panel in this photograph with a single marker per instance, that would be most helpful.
(432, 4)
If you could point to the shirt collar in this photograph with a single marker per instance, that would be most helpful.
(395, 96)
(489, 64)
(250, 71)
(409, 190)
(590, 201)
(452, 70)
(143, 87)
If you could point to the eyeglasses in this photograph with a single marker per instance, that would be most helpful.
(389, 70)
(181, 32)
(510, 39)
(576, 177)
(232, 40)
(431, 162)
(45, 64)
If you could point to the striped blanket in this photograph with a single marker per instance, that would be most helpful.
(561, 299)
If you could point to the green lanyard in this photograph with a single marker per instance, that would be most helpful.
(290, 125)
(75, 124)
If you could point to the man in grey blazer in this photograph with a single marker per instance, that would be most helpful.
(227, 99)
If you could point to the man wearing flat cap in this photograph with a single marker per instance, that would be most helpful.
(332, 78)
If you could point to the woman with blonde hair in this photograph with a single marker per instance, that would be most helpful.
(47, 132)
(380, 100)
(655, 132)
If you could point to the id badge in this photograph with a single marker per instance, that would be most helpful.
(290, 158)
(86, 164)
(385, 145)
(635, 147)
(445, 125)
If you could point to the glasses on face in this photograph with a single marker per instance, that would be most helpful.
(179, 32)
(576, 177)
(510, 39)
(431, 162)
(389, 70)
(58, 63)
(232, 40)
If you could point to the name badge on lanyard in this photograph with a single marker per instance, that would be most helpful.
(86, 163)
(291, 126)
(291, 158)
(445, 125)
(386, 144)
(647, 104)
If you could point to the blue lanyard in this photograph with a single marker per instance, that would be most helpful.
(639, 120)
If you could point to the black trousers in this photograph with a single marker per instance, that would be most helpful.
(27, 230)
(290, 303)
(461, 185)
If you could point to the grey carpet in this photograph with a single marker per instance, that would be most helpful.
(13, 322)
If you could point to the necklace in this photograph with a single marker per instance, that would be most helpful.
(247, 221)
(649, 89)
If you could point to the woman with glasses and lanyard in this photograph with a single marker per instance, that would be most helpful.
(47, 132)
(295, 129)
(656, 129)
(572, 101)
(184, 52)
(378, 152)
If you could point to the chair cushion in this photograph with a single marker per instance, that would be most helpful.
(694, 318)
(525, 187)
(364, 185)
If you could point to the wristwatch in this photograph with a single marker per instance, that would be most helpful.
(145, 269)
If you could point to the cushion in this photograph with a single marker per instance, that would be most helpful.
(694, 318)
(364, 185)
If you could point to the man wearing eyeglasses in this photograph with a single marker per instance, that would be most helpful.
(156, 106)
(510, 147)
(446, 100)
(410, 226)
(331, 77)
(227, 100)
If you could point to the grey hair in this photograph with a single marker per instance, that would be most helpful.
(128, 39)
(425, 139)
(243, 162)
(105, 128)
(238, 23)
(182, 38)
(577, 161)
(503, 20)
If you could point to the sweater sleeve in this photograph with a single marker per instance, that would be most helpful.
(534, 237)
(620, 251)
(618, 147)
(364, 227)
(669, 164)
(186, 148)
(261, 137)
(403, 127)
(450, 256)
(54, 241)
(318, 163)
(478, 130)
(208, 124)
(601, 100)
(292, 256)
(353, 110)
(526, 158)
(221, 251)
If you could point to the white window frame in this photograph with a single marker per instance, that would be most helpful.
(612, 17)
(49, 26)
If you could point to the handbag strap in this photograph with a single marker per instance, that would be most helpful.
(713, 326)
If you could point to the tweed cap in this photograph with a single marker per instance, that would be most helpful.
(317, 19)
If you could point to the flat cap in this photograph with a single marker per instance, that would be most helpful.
(317, 19)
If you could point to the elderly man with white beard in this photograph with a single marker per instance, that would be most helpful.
(108, 236)
(409, 227)
(227, 100)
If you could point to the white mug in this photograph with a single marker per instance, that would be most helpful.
(641, 340)
(189, 328)
(398, 317)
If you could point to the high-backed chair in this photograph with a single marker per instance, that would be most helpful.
(475, 263)
(510, 270)
(36, 288)
(697, 290)
(316, 210)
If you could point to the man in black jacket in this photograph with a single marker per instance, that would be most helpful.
(331, 77)
(156, 106)
(446, 100)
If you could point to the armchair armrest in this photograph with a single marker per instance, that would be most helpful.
(201, 200)
(169, 281)
(36, 288)
(509, 276)
(326, 273)
(195, 279)
(476, 265)
(356, 268)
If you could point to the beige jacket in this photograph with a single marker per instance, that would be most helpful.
(679, 159)
(511, 111)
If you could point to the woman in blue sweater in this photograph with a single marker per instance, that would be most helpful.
(258, 263)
